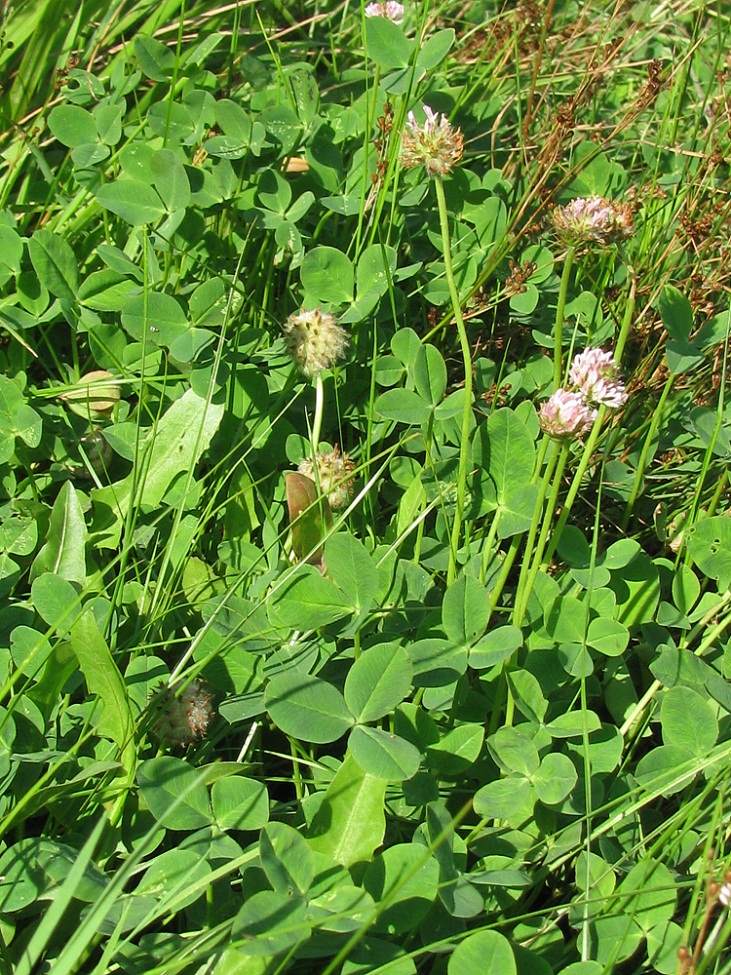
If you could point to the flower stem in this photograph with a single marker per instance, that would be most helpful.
(545, 528)
(464, 444)
(560, 306)
(590, 445)
(586, 456)
(521, 598)
(317, 420)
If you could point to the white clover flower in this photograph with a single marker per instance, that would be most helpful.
(435, 144)
(596, 375)
(593, 220)
(390, 9)
(315, 341)
(335, 475)
(565, 415)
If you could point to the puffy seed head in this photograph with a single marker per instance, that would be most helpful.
(183, 716)
(315, 341)
(335, 474)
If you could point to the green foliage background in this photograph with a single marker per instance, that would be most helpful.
(477, 721)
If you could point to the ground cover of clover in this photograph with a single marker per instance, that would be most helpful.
(365, 550)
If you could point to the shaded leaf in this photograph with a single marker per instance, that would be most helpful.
(307, 707)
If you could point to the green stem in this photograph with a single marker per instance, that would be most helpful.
(586, 456)
(507, 565)
(464, 444)
(646, 447)
(629, 314)
(560, 306)
(521, 598)
(487, 544)
(591, 443)
(546, 526)
(317, 420)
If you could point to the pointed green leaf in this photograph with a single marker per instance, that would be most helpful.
(483, 953)
(55, 264)
(378, 682)
(103, 679)
(163, 781)
(64, 553)
(172, 447)
(286, 858)
(350, 822)
(382, 754)
(308, 601)
(352, 569)
(465, 611)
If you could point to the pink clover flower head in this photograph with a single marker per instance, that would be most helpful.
(315, 341)
(334, 473)
(566, 415)
(436, 145)
(391, 10)
(593, 220)
(596, 375)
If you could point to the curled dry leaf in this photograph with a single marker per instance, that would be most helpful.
(95, 394)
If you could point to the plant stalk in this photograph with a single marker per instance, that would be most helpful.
(464, 444)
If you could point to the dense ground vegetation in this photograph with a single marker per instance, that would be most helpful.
(334, 639)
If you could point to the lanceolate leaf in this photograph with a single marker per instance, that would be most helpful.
(104, 679)
(64, 553)
(173, 447)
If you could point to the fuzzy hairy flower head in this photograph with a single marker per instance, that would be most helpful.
(593, 220)
(566, 415)
(435, 144)
(183, 716)
(596, 375)
(390, 9)
(335, 474)
(315, 341)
